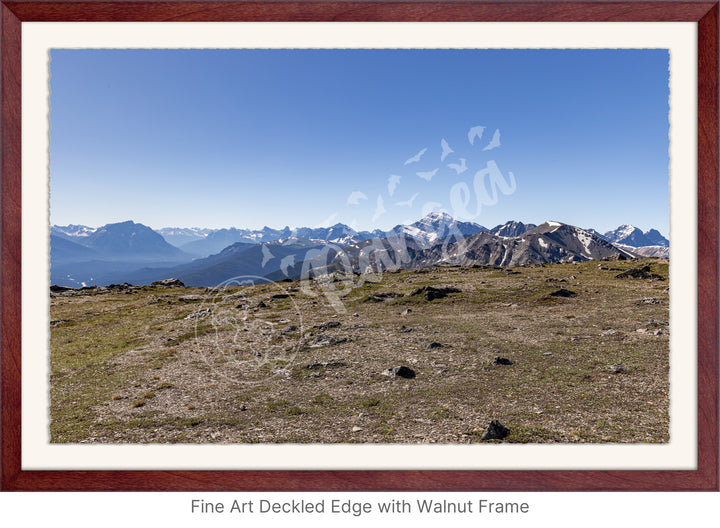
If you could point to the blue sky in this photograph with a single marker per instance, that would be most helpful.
(247, 138)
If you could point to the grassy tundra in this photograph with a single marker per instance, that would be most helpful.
(279, 363)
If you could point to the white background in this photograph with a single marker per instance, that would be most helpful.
(173, 509)
(143, 510)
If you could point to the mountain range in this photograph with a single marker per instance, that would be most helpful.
(134, 253)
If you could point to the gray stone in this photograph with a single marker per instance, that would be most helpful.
(326, 364)
(191, 298)
(325, 340)
(199, 314)
(383, 296)
(329, 324)
(169, 283)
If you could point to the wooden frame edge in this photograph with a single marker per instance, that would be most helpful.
(10, 233)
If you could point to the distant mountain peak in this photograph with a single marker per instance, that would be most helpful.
(513, 228)
(630, 235)
(438, 215)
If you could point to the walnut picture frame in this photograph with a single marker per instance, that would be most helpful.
(15, 478)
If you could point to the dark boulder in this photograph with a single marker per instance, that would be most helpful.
(169, 283)
(501, 361)
(562, 292)
(401, 372)
(495, 431)
(431, 293)
(639, 273)
(329, 324)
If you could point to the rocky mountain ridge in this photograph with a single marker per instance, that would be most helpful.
(435, 240)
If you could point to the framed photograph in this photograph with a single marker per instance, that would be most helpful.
(315, 246)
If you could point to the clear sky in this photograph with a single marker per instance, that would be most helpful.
(247, 138)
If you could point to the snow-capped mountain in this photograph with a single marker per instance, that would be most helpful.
(632, 236)
(511, 229)
(647, 251)
(654, 236)
(548, 242)
(219, 239)
(436, 226)
(177, 236)
(436, 239)
(72, 231)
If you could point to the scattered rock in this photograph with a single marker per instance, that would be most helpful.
(641, 330)
(326, 364)
(495, 431)
(382, 296)
(199, 314)
(657, 332)
(406, 312)
(356, 429)
(168, 283)
(608, 332)
(547, 353)
(435, 344)
(401, 372)
(562, 292)
(404, 329)
(639, 273)
(501, 361)
(261, 304)
(191, 298)
(431, 293)
(56, 322)
(153, 299)
(356, 315)
(280, 296)
(648, 300)
(288, 330)
(329, 324)
(325, 340)
(617, 368)
(124, 287)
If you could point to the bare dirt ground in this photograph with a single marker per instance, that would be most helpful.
(308, 362)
